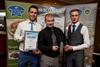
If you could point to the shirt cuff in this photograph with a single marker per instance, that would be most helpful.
(80, 47)
(20, 39)
(74, 48)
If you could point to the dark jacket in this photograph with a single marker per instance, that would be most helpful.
(45, 41)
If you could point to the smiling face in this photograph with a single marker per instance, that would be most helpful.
(32, 13)
(74, 16)
(49, 20)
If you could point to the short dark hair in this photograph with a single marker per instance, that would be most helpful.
(33, 6)
(79, 11)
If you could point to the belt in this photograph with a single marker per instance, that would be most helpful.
(29, 52)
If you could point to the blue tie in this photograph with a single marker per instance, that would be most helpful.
(30, 51)
(31, 26)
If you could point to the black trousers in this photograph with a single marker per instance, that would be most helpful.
(74, 59)
(96, 59)
(3, 60)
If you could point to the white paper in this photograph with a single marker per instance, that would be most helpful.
(30, 40)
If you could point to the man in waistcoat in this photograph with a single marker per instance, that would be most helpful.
(78, 40)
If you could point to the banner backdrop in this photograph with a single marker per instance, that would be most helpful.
(17, 12)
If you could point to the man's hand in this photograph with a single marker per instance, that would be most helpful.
(68, 48)
(36, 52)
(21, 40)
(55, 48)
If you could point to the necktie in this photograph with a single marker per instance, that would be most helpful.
(53, 37)
(73, 28)
(31, 26)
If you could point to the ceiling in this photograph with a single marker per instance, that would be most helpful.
(57, 2)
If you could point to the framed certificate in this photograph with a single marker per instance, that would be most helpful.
(30, 40)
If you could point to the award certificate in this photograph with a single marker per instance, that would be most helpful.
(30, 40)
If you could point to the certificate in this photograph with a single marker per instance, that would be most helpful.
(30, 42)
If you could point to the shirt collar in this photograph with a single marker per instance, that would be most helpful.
(77, 23)
(50, 28)
(31, 21)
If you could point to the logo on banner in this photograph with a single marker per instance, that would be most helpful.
(16, 10)
(87, 12)
(53, 10)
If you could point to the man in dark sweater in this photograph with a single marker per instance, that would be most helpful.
(78, 40)
(49, 40)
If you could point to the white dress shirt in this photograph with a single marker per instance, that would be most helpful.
(85, 33)
(22, 27)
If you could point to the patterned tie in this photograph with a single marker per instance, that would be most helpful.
(73, 30)
(53, 37)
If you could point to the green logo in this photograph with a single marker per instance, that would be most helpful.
(87, 12)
